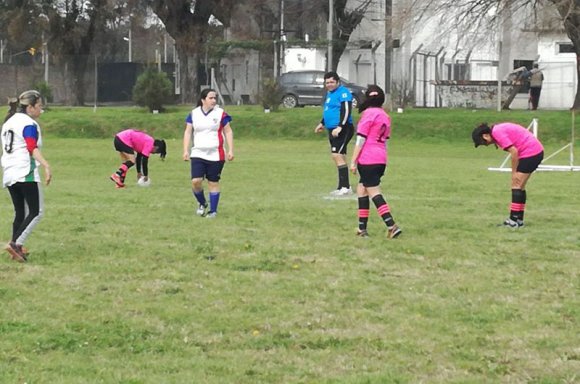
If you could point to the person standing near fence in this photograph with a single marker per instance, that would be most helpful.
(337, 120)
(207, 125)
(526, 152)
(536, 80)
(369, 158)
(21, 157)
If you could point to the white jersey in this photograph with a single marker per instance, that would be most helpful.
(17, 163)
(208, 134)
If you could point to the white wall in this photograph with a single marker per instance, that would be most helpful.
(296, 59)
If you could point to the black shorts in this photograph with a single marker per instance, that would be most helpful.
(210, 170)
(370, 175)
(122, 147)
(530, 164)
(338, 144)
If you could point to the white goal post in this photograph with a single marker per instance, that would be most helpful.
(543, 166)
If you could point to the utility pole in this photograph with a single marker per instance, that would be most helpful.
(388, 44)
(329, 34)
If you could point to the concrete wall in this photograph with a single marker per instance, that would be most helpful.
(471, 94)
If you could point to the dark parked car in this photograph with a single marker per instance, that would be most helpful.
(307, 88)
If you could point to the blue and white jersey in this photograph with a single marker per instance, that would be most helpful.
(208, 133)
(331, 114)
(18, 165)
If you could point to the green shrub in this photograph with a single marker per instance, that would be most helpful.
(271, 94)
(45, 90)
(152, 89)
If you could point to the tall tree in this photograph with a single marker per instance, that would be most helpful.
(485, 16)
(344, 23)
(73, 26)
(187, 21)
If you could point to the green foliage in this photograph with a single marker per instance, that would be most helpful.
(129, 286)
(45, 90)
(271, 94)
(425, 125)
(152, 90)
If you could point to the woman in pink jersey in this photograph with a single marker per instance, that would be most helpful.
(370, 159)
(526, 152)
(128, 142)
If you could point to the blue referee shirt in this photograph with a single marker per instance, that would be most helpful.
(334, 99)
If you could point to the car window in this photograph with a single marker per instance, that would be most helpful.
(304, 78)
(319, 78)
(288, 78)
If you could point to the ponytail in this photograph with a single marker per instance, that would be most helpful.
(13, 108)
(19, 104)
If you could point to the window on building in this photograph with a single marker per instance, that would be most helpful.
(565, 48)
(456, 71)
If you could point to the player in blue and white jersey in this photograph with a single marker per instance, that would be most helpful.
(337, 120)
(208, 125)
(21, 156)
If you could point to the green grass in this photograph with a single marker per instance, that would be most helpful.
(128, 286)
(425, 125)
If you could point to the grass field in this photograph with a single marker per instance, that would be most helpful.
(129, 286)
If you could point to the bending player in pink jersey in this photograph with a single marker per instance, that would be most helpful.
(527, 153)
(128, 142)
(370, 159)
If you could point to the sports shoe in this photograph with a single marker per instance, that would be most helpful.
(201, 210)
(211, 215)
(394, 232)
(362, 233)
(15, 252)
(117, 180)
(512, 223)
(344, 191)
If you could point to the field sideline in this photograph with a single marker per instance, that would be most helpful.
(128, 286)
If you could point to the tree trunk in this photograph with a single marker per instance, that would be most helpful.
(570, 16)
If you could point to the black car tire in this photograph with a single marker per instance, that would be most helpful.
(290, 101)
(355, 102)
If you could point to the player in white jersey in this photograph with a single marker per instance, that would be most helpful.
(21, 156)
(208, 125)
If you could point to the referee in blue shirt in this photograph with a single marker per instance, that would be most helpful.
(337, 120)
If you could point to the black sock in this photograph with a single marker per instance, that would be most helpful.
(384, 210)
(363, 212)
(343, 181)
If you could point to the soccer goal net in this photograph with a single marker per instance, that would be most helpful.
(533, 127)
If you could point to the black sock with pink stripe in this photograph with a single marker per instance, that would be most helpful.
(384, 210)
(363, 212)
(518, 205)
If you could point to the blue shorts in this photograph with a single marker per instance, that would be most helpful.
(210, 170)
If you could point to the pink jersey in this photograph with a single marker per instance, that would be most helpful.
(375, 126)
(510, 134)
(139, 141)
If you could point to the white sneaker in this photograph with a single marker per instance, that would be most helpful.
(344, 191)
(201, 210)
(211, 215)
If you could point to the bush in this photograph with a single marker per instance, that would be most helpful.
(152, 89)
(271, 94)
(45, 90)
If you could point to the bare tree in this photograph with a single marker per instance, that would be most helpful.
(485, 16)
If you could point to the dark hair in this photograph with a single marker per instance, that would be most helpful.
(478, 132)
(19, 104)
(204, 94)
(374, 97)
(161, 148)
(331, 75)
